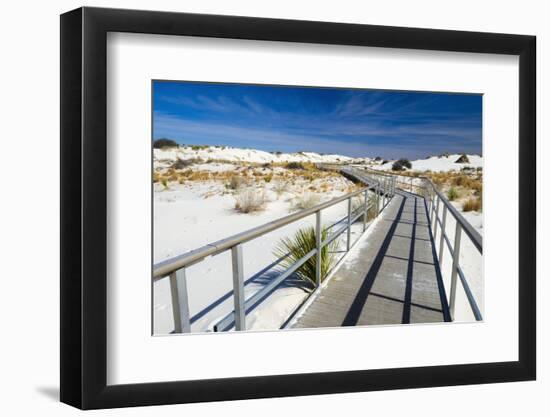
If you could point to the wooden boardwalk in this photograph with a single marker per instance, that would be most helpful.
(390, 277)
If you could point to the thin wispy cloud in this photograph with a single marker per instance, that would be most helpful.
(290, 119)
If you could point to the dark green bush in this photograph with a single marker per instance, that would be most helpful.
(295, 165)
(401, 165)
(164, 143)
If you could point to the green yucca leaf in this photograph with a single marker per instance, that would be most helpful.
(300, 245)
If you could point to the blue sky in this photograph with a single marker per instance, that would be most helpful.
(389, 124)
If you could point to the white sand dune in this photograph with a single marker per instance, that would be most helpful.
(439, 164)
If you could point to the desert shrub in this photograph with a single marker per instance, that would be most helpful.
(452, 194)
(199, 176)
(164, 143)
(235, 182)
(280, 187)
(472, 204)
(460, 180)
(377, 159)
(198, 147)
(268, 177)
(298, 246)
(295, 165)
(306, 200)
(476, 185)
(249, 200)
(385, 161)
(401, 165)
(463, 159)
(184, 163)
(358, 202)
(164, 182)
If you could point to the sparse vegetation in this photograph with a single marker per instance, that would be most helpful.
(268, 178)
(303, 242)
(280, 187)
(452, 194)
(295, 165)
(306, 200)
(249, 200)
(235, 182)
(401, 165)
(184, 163)
(472, 204)
(164, 143)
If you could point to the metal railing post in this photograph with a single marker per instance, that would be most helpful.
(433, 209)
(365, 210)
(318, 240)
(442, 238)
(238, 286)
(384, 192)
(454, 269)
(436, 218)
(378, 198)
(348, 244)
(411, 184)
(180, 301)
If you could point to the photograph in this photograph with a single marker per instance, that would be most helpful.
(296, 207)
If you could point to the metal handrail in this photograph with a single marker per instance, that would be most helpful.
(175, 268)
(166, 267)
(472, 233)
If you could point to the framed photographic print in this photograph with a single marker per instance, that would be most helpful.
(258, 208)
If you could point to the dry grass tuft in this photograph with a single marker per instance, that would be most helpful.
(306, 200)
(472, 204)
(235, 182)
(280, 187)
(249, 200)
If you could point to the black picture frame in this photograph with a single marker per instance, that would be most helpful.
(84, 207)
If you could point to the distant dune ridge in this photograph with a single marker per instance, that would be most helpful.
(228, 154)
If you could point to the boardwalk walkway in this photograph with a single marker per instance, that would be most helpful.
(390, 277)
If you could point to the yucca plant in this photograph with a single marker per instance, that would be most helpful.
(452, 194)
(300, 245)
